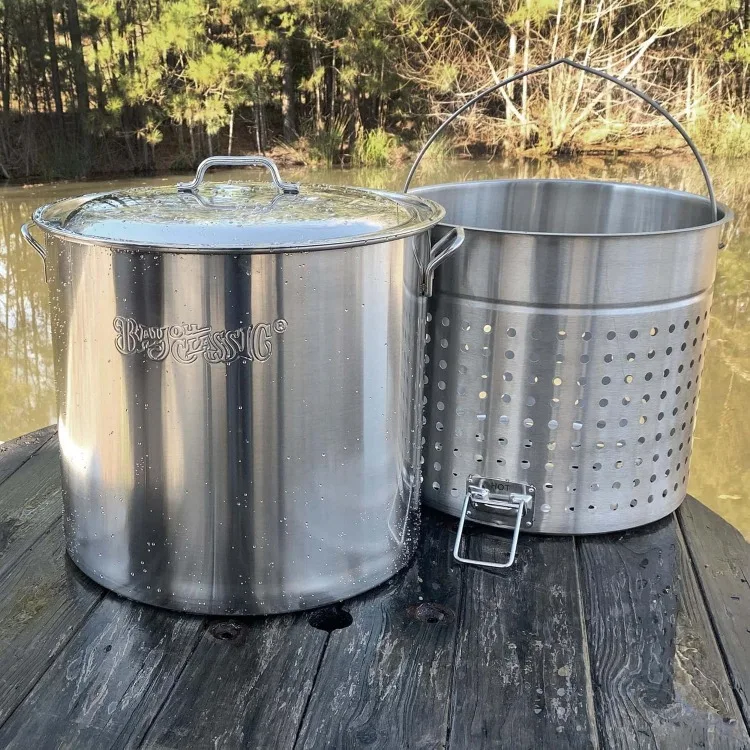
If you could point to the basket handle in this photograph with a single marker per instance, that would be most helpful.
(594, 71)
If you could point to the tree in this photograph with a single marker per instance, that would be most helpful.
(54, 65)
(79, 64)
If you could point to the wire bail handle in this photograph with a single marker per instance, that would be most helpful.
(587, 69)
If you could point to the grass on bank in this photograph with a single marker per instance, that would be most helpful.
(725, 135)
(374, 148)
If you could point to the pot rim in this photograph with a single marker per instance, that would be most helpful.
(728, 215)
(436, 215)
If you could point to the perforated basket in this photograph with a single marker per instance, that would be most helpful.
(564, 351)
(595, 411)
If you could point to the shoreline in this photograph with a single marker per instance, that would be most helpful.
(287, 158)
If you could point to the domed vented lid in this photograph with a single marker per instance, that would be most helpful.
(213, 217)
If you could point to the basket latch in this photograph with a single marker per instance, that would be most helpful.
(500, 503)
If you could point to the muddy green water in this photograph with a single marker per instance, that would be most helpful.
(720, 470)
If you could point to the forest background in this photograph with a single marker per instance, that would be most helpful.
(95, 87)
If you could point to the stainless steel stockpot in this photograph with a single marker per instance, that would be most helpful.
(239, 376)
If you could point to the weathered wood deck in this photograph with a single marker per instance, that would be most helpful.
(634, 640)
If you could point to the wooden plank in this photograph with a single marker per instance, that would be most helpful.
(658, 677)
(44, 602)
(721, 557)
(30, 502)
(245, 686)
(384, 682)
(14, 453)
(107, 685)
(521, 675)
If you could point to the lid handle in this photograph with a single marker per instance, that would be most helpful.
(238, 161)
(586, 69)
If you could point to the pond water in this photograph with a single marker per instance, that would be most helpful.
(720, 470)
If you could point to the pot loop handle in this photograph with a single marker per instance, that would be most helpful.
(26, 234)
(594, 71)
(238, 161)
(440, 252)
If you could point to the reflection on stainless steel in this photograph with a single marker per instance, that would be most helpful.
(239, 430)
(566, 347)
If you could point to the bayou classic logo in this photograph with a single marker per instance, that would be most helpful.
(187, 342)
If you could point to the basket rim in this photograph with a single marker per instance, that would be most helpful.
(726, 216)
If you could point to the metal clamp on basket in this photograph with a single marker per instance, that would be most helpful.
(499, 503)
